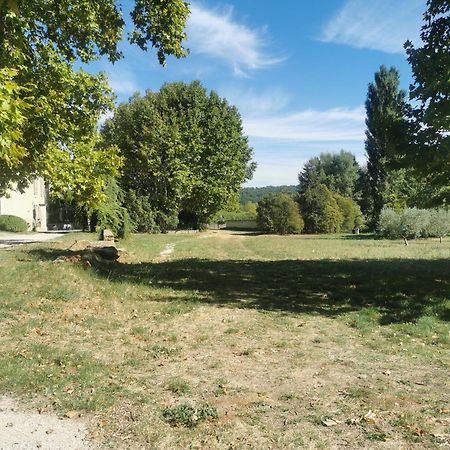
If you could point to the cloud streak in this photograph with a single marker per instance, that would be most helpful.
(122, 81)
(382, 25)
(256, 102)
(337, 124)
(216, 34)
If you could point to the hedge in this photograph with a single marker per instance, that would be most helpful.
(12, 223)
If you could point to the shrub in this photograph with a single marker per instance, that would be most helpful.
(389, 224)
(439, 223)
(188, 415)
(278, 213)
(141, 213)
(352, 215)
(111, 214)
(13, 223)
(410, 223)
(413, 223)
(320, 210)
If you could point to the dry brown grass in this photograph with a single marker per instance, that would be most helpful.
(122, 342)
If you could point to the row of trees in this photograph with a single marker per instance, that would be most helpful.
(175, 155)
(408, 144)
(412, 223)
(317, 210)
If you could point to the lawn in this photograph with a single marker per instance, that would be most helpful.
(234, 340)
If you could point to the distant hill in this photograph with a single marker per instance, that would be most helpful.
(255, 194)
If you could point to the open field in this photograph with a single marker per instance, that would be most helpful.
(235, 341)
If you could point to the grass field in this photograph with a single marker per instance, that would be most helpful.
(235, 341)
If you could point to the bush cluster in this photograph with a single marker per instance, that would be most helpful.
(325, 211)
(279, 214)
(412, 223)
(13, 224)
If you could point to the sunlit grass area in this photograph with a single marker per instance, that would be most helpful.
(234, 340)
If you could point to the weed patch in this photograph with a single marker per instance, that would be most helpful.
(189, 416)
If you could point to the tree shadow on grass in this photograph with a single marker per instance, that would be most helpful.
(402, 290)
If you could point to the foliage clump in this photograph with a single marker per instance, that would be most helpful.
(338, 172)
(351, 213)
(49, 128)
(142, 215)
(439, 224)
(412, 223)
(279, 214)
(189, 416)
(111, 214)
(13, 224)
(320, 210)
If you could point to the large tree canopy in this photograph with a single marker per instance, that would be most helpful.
(184, 151)
(57, 107)
(429, 153)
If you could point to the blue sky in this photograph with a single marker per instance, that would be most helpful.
(297, 70)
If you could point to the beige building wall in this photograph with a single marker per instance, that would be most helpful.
(31, 205)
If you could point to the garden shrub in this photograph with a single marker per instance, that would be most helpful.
(413, 223)
(13, 223)
(389, 224)
(278, 213)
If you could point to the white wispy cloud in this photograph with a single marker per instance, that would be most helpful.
(337, 124)
(382, 25)
(254, 102)
(122, 81)
(215, 33)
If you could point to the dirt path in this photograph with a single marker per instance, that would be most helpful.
(10, 239)
(24, 430)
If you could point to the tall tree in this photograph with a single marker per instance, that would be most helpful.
(429, 153)
(386, 123)
(56, 118)
(320, 210)
(338, 172)
(184, 151)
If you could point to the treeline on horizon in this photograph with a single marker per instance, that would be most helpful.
(255, 194)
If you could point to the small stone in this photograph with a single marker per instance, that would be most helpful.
(108, 235)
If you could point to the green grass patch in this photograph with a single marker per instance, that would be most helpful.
(73, 381)
(189, 416)
(178, 386)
